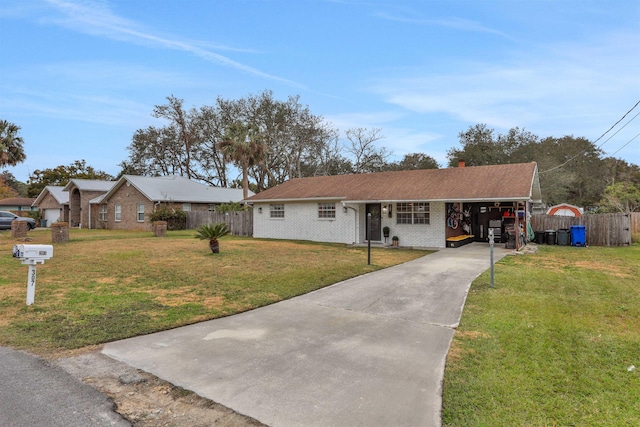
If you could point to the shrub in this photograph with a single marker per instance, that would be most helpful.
(230, 207)
(176, 218)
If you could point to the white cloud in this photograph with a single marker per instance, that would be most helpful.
(570, 87)
(454, 23)
(96, 18)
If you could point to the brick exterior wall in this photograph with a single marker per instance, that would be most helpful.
(49, 202)
(430, 235)
(128, 198)
(301, 222)
(79, 206)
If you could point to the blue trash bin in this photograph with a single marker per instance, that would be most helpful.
(578, 235)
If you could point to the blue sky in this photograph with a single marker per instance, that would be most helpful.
(81, 76)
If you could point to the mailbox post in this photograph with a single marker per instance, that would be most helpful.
(32, 255)
(491, 238)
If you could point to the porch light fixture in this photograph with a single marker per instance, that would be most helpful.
(384, 209)
(260, 209)
(345, 209)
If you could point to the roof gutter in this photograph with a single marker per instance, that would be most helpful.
(307, 199)
(465, 200)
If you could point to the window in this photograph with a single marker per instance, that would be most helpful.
(102, 215)
(412, 213)
(326, 210)
(140, 212)
(276, 211)
(118, 211)
(186, 207)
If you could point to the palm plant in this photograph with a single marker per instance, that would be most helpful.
(212, 232)
(243, 145)
(11, 150)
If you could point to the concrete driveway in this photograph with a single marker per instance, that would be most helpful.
(369, 351)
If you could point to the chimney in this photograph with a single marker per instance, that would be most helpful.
(460, 163)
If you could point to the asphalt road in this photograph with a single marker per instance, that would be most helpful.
(35, 393)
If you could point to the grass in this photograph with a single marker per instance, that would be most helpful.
(552, 344)
(108, 285)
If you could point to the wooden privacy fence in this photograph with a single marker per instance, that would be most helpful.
(635, 222)
(240, 222)
(602, 229)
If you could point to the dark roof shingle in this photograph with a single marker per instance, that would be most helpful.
(495, 182)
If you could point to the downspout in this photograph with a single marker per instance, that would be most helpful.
(355, 220)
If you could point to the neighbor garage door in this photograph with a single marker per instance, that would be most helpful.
(51, 215)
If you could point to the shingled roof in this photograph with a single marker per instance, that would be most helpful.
(508, 182)
(16, 201)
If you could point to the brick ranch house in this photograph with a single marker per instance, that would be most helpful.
(53, 203)
(125, 204)
(423, 208)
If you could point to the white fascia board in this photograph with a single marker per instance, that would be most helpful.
(499, 199)
(309, 199)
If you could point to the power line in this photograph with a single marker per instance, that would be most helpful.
(599, 138)
(628, 142)
(623, 126)
(614, 125)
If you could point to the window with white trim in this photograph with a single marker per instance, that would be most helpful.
(412, 213)
(102, 215)
(186, 207)
(140, 212)
(118, 213)
(326, 210)
(276, 210)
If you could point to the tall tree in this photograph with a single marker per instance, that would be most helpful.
(244, 146)
(10, 180)
(482, 146)
(414, 161)
(478, 147)
(11, 145)
(571, 170)
(184, 129)
(5, 190)
(620, 197)
(366, 156)
(61, 175)
(295, 143)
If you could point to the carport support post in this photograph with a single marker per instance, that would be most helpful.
(369, 238)
(491, 253)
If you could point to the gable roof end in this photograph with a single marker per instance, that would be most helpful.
(58, 193)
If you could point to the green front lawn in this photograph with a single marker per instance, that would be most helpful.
(106, 285)
(553, 344)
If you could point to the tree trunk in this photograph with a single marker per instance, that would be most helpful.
(214, 245)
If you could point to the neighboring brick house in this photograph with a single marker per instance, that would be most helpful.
(128, 203)
(424, 208)
(17, 204)
(81, 192)
(53, 203)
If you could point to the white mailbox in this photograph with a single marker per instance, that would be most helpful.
(32, 253)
